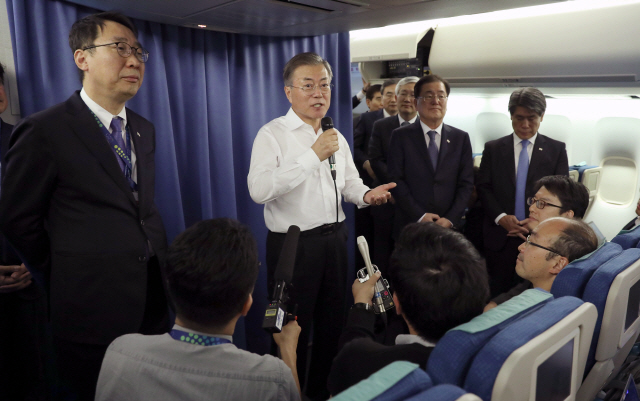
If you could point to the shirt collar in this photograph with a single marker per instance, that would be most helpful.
(413, 339)
(384, 112)
(425, 128)
(401, 120)
(103, 115)
(293, 121)
(224, 336)
(517, 140)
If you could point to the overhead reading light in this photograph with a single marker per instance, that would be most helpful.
(201, 26)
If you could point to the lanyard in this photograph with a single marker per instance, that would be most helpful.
(199, 339)
(123, 154)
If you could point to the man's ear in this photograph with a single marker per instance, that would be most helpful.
(80, 58)
(398, 307)
(247, 305)
(568, 213)
(560, 264)
(287, 92)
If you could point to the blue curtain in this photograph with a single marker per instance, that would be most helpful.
(208, 94)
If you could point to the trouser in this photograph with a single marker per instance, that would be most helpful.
(319, 289)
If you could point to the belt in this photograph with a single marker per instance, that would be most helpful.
(324, 229)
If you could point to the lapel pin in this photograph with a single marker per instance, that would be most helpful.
(538, 148)
(448, 141)
(139, 135)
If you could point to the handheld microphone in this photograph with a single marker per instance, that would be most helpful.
(383, 300)
(276, 315)
(327, 124)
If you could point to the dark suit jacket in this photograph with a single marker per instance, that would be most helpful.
(420, 190)
(379, 146)
(496, 184)
(355, 101)
(630, 224)
(361, 356)
(361, 135)
(67, 209)
(7, 255)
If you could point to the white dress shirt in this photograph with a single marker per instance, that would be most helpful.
(438, 136)
(295, 187)
(105, 118)
(517, 148)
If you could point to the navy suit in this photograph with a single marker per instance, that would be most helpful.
(496, 188)
(445, 191)
(76, 223)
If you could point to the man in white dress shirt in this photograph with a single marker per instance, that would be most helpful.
(290, 175)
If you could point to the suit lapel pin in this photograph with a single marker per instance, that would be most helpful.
(538, 148)
(139, 135)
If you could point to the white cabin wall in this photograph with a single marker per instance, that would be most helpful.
(12, 114)
(593, 126)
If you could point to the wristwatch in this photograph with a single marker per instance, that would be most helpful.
(362, 305)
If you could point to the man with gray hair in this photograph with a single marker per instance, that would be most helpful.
(510, 167)
(290, 175)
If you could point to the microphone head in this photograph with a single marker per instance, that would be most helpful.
(327, 123)
(287, 260)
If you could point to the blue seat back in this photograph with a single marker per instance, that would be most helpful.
(628, 238)
(489, 360)
(573, 279)
(450, 360)
(441, 392)
(396, 381)
(597, 291)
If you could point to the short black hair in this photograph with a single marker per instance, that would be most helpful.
(371, 92)
(440, 279)
(427, 79)
(529, 98)
(300, 60)
(85, 30)
(1, 74)
(572, 195)
(388, 82)
(575, 240)
(211, 270)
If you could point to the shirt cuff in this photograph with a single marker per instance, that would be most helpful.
(421, 218)
(501, 215)
(360, 95)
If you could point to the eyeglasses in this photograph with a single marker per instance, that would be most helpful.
(407, 95)
(540, 204)
(429, 97)
(310, 89)
(389, 95)
(540, 246)
(125, 49)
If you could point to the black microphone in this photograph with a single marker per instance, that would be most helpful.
(276, 315)
(327, 124)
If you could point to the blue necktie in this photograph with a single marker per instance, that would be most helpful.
(521, 180)
(116, 133)
(433, 149)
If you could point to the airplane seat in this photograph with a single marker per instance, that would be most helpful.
(396, 381)
(539, 357)
(477, 159)
(615, 291)
(628, 238)
(453, 354)
(590, 176)
(573, 279)
(573, 174)
(444, 392)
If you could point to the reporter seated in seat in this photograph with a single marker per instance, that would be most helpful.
(211, 270)
(550, 247)
(438, 280)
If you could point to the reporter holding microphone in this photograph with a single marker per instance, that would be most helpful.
(290, 174)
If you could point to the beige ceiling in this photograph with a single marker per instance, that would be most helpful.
(299, 17)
